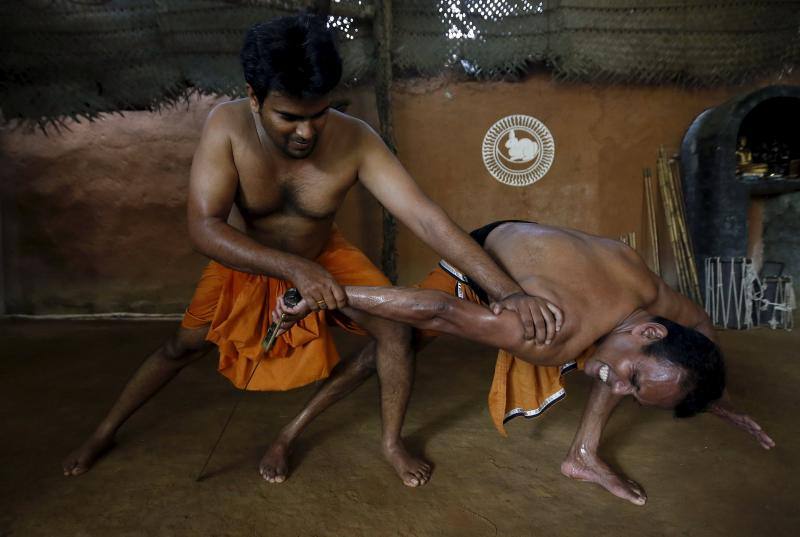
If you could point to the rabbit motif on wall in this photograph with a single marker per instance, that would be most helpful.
(521, 150)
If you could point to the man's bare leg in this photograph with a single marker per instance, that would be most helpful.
(422, 308)
(177, 352)
(394, 360)
(583, 463)
(348, 374)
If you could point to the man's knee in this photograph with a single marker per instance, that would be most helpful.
(366, 360)
(187, 344)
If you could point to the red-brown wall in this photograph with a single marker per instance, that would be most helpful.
(93, 218)
(604, 137)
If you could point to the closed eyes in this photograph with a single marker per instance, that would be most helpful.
(292, 117)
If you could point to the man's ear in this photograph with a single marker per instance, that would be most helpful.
(255, 106)
(651, 331)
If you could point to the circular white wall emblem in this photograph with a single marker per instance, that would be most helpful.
(518, 150)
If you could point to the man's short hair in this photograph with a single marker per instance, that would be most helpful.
(294, 55)
(699, 356)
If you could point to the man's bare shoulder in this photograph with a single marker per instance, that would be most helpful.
(349, 128)
(348, 135)
(229, 117)
(674, 306)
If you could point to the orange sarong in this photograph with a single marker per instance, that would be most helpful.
(238, 305)
(519, 388)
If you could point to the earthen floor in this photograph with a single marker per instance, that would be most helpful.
(703, 478)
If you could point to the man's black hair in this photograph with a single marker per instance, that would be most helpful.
(699, 356)
(294, 55)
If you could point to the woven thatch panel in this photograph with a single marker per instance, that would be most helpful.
(60, 58)
(83, 57)
(697, 42)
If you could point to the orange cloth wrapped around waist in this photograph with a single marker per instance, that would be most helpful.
(238, 306)
(519, 388)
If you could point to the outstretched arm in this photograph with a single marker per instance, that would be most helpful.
(429, 309)
(723, 408)
(582, 461)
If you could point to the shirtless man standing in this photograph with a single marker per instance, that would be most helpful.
(646, 340)
(286, 160)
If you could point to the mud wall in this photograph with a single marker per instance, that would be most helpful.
(93, 217)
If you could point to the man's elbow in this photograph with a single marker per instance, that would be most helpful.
(201, 232)
(431, 305)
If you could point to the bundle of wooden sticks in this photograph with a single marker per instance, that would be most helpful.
(669, 186)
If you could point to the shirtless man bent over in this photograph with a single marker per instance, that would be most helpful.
(646, 340)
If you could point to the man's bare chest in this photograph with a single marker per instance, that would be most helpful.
(307, 190)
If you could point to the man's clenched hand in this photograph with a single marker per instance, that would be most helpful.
(290, 314)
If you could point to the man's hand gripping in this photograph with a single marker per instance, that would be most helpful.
(292, 315)
(320, 291)
(541, 320)
(317, 287)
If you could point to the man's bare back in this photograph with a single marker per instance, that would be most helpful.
(599, 281)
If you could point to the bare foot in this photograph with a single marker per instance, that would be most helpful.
(413, 472)
(82, 459)
(274, 465)
(592, 469)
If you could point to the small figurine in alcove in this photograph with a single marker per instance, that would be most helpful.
(743, 154)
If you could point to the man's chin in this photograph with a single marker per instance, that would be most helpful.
(295, 154)
(590, 366)
(295, 151)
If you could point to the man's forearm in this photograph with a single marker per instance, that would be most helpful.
(457, 247)
(230, 247)
(417, 307)
(602, 402)
(431, 309)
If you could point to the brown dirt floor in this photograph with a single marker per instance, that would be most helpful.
(703, 478)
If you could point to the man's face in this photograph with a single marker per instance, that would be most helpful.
(650, 380)
(292, 124)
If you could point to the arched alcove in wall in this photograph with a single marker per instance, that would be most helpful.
(725, 208)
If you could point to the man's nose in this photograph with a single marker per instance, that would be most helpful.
(304, 130)
(621, 388)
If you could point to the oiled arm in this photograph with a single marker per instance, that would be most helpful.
(430, 309)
